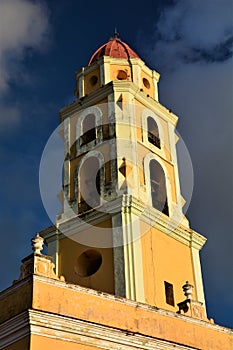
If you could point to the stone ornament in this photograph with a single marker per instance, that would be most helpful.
(188, 290)
(37, 244)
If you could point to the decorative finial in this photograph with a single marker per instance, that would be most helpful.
(116, 34)
(37, 244)
(188, 290)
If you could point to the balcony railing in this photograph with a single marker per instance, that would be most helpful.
(152, 138)
(88, 136)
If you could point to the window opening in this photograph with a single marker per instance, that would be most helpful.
(158, 187)
(169, 293)
(105, 131)
(88, 263)
(88, 129)
(93, 80)
(153, 132)
(146, 83)
(89, 184)
(122, 75)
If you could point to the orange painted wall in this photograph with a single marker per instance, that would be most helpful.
(38, 343)
(115, 312)
(60, 298)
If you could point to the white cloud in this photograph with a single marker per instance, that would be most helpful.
(197, 22)
(23, 25)
(193, 31)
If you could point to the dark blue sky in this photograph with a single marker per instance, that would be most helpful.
(43, 43)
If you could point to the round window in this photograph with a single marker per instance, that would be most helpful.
(146, 83)
(93, 80)
(88, 263)
(121, 75)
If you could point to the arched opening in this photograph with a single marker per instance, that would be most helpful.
(88, 263)
(158, 187)
(89, 184)
(93, 80)
(122, 75)
(153, 132)
(88, 129)
(146, 83)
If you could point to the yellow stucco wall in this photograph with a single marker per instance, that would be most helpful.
(69, 252)
(115, 68)
(164, 259)
(164, 125)
(148, 89)
(88, 86)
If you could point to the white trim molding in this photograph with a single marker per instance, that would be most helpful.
(90, 110)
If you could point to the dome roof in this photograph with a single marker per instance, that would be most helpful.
(116, 48)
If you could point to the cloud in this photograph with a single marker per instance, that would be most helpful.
(23, 26)
(192, 31)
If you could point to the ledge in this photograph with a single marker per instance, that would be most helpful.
(74, 224)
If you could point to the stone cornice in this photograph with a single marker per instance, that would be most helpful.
(146, 213)
(87, 69)
(147, 101)
(91, 334)
(167, 225)
(14, 329)
(89, 100)
(118, 86)
(111, 297)
(49, 232)
(137, 305)
(17, 284)
(34, 322)
(80, 330)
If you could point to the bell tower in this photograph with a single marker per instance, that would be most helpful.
(122, 229)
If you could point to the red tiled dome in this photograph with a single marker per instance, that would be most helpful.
(113, 48)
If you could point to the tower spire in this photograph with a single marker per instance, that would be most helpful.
(116, 34)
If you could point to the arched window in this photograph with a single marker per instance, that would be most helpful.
(89, 184)
(88, 129)
(158, 187)
(153, 132)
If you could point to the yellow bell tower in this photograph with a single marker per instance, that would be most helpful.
(121, 249)
(122, 229)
